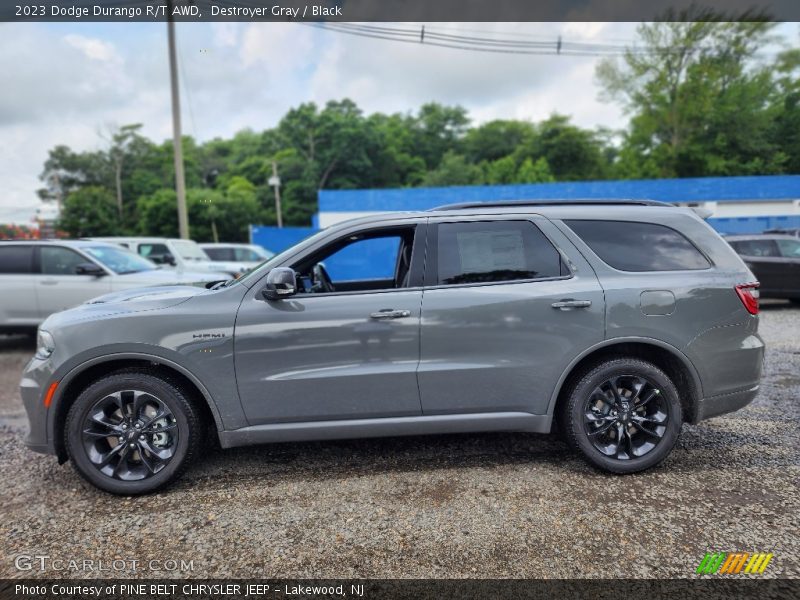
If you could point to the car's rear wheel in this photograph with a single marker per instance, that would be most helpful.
(132, 432)
(624, 415)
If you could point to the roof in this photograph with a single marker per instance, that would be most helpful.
(60, 242)
(700, 189)
(550, 202)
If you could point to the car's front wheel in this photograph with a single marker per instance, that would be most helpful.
(624, 415)
(132, 432)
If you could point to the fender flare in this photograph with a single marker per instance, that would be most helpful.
(624, 340)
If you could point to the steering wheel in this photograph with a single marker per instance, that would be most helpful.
(322, 281)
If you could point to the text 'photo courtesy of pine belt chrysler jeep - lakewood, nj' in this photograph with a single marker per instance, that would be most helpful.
(612, 322)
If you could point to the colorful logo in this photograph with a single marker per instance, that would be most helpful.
(733, 563)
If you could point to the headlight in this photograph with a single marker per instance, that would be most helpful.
(44, 345)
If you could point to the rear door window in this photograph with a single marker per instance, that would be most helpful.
(494, 251)
(16, 259)
(636, 246)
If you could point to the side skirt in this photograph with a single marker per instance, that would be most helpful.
(385, 427)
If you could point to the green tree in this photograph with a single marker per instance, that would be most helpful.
(534, 172)
(89, 211)
(453, 170)
(696, 96)
(438, 130)
(500, 171)
(571, 153)
(496, 139)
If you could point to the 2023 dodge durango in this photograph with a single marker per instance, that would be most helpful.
(617, 320)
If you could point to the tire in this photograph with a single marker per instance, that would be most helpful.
(628, 431)
(132, 432)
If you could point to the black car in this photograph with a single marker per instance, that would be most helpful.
(775, 260)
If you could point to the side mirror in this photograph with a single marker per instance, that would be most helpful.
(89, 269)
(281, 283)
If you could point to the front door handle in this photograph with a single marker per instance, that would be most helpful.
(388, 313)
(570, 304)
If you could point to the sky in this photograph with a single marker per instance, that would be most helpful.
(70, 83)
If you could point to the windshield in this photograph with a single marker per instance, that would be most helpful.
(119, 260)
(190, 250)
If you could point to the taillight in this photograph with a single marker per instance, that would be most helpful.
(748, 294)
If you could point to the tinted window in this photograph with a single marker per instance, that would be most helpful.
(494, 251)
(219, 253)
(756, 247)
(159, 250)
(634, 246)
(60, 261)
(16, 259)
(789, 248)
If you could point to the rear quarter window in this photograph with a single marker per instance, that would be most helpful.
(637, 246)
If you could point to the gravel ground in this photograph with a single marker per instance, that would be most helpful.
(510, 505)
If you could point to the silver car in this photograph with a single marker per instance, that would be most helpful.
(616, 320)
(41, 278)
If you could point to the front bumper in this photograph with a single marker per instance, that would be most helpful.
(34, 381)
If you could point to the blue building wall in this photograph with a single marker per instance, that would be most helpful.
(725, 189)
(279, 239)
(729, 189)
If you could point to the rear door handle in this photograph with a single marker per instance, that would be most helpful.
(388, 313)
(570, 304)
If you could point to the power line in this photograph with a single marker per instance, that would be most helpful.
(431, 36)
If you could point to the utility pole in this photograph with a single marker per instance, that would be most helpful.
(180, 181)
(275, 182)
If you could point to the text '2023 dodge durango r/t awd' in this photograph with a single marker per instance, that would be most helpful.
(619, 320)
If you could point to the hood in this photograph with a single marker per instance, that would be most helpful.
(155, 297)
(126, 301)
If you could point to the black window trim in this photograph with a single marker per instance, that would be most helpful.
(710, 266)
(431, 278)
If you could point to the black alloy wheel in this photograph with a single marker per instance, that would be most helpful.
(624, 414)
(133, 432)
(625, 417)
(130, 435)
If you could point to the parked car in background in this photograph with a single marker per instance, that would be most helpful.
(795, 231)
(38, 279)
(250, 255)
(775, 260)
(176, 253)
(619, 320)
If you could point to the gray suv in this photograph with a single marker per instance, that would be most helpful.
(618, 320)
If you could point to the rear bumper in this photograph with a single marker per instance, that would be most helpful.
(725, 403)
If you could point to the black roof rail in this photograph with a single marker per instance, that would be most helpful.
(550, 202)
